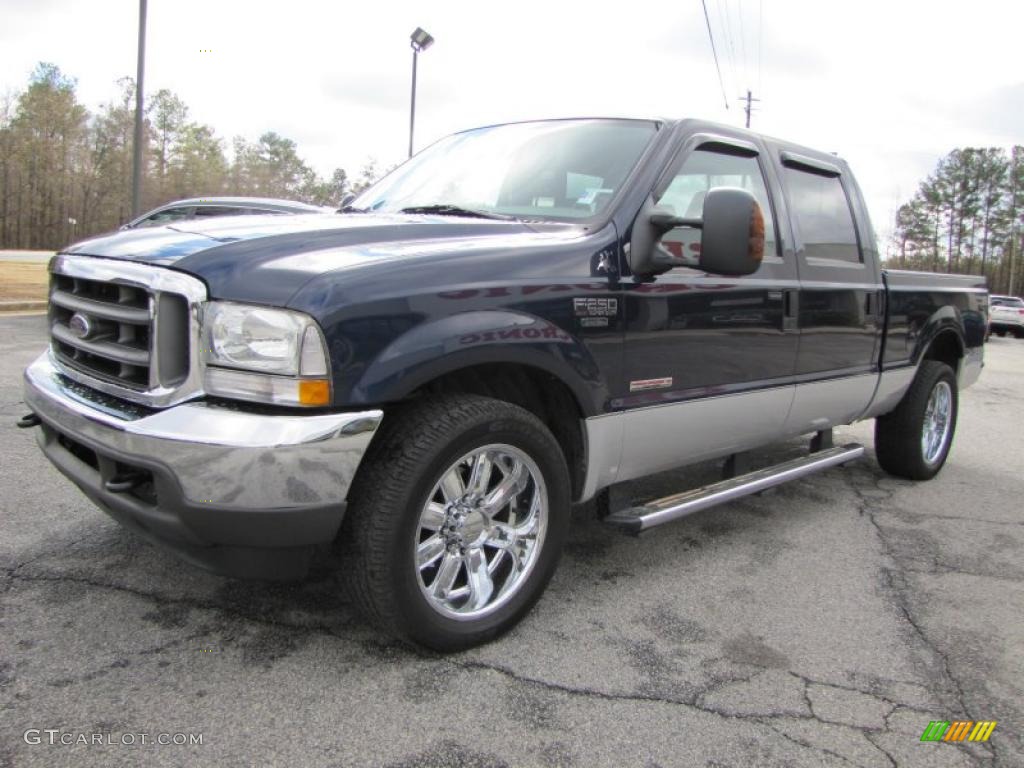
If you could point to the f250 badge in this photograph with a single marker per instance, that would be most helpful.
(594, 311)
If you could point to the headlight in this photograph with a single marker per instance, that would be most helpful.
(278, 355)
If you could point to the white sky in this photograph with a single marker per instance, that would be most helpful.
(890, 85)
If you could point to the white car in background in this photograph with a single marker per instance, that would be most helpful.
(1006, 315)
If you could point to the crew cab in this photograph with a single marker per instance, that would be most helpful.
(513, 321)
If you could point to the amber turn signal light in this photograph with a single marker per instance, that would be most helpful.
(314, 392)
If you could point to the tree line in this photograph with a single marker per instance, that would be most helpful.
(966, 218)
(66, 173)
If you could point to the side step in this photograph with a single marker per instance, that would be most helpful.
(636, 519)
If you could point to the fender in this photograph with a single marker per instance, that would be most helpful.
(473, 338)
(944, 320)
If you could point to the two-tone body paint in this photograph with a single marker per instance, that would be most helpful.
(403, 299)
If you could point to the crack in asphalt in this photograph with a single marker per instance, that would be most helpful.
(883, 750)
(764, 719)
(696, 702)
(808, 745)
(896, 584)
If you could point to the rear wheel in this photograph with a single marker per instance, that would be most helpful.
(456, 521)
(913, 441)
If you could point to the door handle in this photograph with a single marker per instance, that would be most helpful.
(872, 306)
(790, 310)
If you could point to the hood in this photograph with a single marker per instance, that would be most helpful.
(266, 259)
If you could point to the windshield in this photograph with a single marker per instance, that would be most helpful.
(549, 170)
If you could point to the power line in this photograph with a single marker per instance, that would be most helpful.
(725, 22)
(714, 53)
(743, 42)
(760, 40)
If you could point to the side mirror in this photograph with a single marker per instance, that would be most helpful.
(346, 201)
(731, 241)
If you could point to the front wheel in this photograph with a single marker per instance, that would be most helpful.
(456, 521)
(913, 440)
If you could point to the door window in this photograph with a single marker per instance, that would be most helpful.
(703, 171)
(821, 214)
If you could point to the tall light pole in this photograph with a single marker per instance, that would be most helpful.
(137, 149)
(420, 41)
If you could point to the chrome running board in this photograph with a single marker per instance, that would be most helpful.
(637, 519)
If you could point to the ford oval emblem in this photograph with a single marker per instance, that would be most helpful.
(79, 325)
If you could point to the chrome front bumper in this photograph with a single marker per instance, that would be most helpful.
(217, 477)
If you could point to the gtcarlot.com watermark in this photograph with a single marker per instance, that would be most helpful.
(58, 737)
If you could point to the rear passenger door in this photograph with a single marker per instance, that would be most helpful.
(839, 304)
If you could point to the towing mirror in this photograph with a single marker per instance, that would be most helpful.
(731, 236)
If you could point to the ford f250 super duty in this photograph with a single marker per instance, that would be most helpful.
(514, 320)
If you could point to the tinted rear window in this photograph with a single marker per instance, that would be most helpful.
(822, 215)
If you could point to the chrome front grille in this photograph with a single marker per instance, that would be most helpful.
(125, 328)
(102, 329)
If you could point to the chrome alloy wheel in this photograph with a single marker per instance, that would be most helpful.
(937, 422)
(481, 531)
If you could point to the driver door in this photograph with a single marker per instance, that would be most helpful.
(710, 360)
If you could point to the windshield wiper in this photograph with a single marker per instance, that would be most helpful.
(446, 209)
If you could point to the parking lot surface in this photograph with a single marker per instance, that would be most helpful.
(825, 623)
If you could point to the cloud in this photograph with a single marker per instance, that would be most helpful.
(999, 113)
(387, 91)
(890, 86)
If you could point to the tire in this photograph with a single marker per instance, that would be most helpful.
(899, 435)
(399, 510)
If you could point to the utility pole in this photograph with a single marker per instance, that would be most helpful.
(137, 153)
(1013, 220)
(749, 108)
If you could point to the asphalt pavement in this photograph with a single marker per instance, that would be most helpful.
(825, 623)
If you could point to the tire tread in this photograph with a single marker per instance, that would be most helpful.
(412, 434)
(898, 433)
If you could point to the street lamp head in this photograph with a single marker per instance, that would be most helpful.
(421, 40)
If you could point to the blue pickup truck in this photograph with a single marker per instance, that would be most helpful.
(508, 324)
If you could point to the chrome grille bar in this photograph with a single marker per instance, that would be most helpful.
(126, 329)
(116, 312)
(119, 352)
